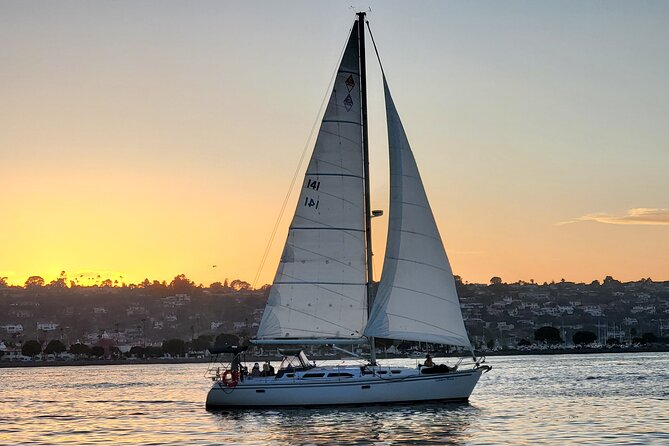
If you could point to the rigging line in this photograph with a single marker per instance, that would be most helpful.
(376, 50)
(299, 164)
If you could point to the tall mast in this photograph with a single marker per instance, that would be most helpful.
(365, 150)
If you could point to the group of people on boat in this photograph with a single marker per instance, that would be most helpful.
(242, 371)
(267, 370)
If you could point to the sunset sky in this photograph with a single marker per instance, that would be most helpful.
(153, 138)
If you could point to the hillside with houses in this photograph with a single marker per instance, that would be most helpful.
(506, 315)
(498, 315)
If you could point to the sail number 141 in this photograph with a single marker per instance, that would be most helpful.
(311, 202)
(315, 185)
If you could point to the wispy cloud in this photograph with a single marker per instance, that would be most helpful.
(635, 216)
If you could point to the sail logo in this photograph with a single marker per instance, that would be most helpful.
(348, 103)
(350, 83)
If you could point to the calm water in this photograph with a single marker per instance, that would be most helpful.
(573, 399)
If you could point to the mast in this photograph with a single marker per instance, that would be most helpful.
(365, 150)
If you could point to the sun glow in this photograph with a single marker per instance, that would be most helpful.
(128, 149)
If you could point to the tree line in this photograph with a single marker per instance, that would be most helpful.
(179, 284)
(172, 347)
(551, 336)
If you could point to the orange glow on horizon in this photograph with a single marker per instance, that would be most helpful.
(160, 143)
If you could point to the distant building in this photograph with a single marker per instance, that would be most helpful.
(107, 343)
(616, 334)
(526, 322)
(178, 300)
(215, 325)
(23, 314)
(565, 309)
(133, 332)
(238, 326)
(650, 309)
(135, 310)
(13, 328)
(503, 326)
(47, 326)
(11, 353)
(592, 310)
(257, 314)
(25, 304)
(534, 296)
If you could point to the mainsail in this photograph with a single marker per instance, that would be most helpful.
(416, 299)
(319, 290)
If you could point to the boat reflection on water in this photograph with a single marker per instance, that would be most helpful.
(424, 423)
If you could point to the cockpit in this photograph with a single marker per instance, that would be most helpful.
(294, 360)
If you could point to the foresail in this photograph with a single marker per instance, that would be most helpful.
(319, 290)
(416, 299)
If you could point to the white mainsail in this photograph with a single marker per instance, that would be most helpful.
(319, 291)
(416, 299)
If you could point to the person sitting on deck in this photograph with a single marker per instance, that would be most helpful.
(428, 361)
(255, 371)
(267, 369)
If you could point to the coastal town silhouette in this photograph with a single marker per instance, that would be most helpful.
(63, 320)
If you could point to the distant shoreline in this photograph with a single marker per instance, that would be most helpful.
(249, 358)
(578, 351)
(105, 362)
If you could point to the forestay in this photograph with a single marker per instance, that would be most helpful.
(319, 290)
(416, 299)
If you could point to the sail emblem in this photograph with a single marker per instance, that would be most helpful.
(350, 83)
(348, 103)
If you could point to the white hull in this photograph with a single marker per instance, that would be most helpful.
(404, 387)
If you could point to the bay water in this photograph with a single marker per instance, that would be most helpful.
(543, 399)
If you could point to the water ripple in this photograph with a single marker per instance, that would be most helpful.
(579, 399)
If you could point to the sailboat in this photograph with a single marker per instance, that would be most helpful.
(323, 289)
